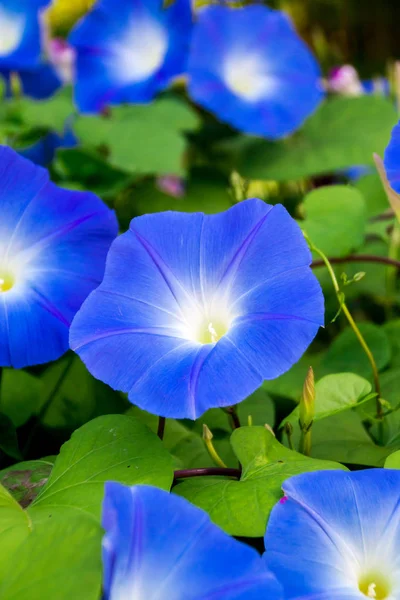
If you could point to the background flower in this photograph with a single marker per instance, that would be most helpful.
(20, 35)
(53, 245)
(128, 51)
(196, 310)
(250, 68)
(158, 545)
(336, 535)
(392, 159)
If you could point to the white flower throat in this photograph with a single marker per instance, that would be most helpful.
(11, 31)
(208, 323)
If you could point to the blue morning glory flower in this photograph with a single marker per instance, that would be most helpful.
(44, 150)
(250, 68)
(129, 51)
(20, 33)
(53, 245)
(195, 310)
(38, 83)
(336, 535)
(158, 546)
(392, 159)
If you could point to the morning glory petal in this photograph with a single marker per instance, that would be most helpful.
(38, 83)
(392, 159)
(250, 68)
(158, 546)
(20, 36)
(195, 310)
(53, 245)
(336, 534)
(129, 51)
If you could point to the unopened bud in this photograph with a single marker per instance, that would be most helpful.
(307, 402)
(359, 276)
(15, 85)
(207, 433)
(393, 197)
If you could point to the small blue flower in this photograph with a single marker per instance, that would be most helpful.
(336, 535)
(53, 245)
(20, 33)
(195, 310)
(38, 83)
(44, 150)
(250, 68)
(392, 159)
(158, 546)
(129, 51)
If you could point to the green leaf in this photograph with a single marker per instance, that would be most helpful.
(343, 438)
(79, 399)
(334, 394)
(20, 395)
(142, 139)
(259, 406)
(86, 168)
(393, 461)
(25, 480)
(335, 219)
(49, 114)
(242, 507)
(374, 195)
(205, 190)
(58, 559)
(392, 330)
(15, 526)
(344, 132)
(290, 384)
(345, 353)
(8, 438)
(114, 447)
(390, 386)
(185, 445)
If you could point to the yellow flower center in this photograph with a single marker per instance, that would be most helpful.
(375, 585)
(7, 281)
(211, 330)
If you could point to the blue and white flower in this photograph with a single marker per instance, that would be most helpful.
(336, 536)
(158, 546)
(20, 33)
(53, 246)
(249, 67)
(129, 51)
(195, 310)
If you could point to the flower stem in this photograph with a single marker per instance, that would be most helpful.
(232, 412)
(305, 442)
(353, 325)
(371, 258)
(289, 434)
(161, 427)
(208, 471)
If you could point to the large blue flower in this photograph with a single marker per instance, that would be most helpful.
(250, 68)
(195, 310)
(20, 33)
(158, 546)
(392, 159)
(53, 245)
(129, 51)
(336, 535)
